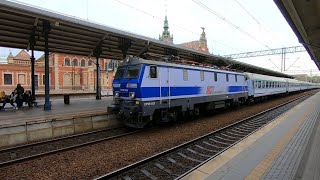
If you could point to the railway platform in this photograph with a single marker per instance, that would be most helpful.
(32, 124)
(287, 148)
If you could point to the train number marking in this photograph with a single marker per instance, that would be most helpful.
(149, 103)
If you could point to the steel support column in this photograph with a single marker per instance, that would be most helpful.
(46, 29)
(33, 88)
(32, 43)
(97, 53)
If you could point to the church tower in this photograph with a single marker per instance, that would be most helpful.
(166, 33)
(203, 42)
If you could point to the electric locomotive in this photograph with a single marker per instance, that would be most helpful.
(150, 91)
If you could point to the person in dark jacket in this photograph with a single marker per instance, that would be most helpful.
(20, 91)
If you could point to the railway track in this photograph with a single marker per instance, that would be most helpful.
(26, 152)
(182, 159)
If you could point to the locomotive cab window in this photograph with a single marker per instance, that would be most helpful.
(120, 72)
(133, 71)
(153, 72)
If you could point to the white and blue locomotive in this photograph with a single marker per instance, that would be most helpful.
(149, 91)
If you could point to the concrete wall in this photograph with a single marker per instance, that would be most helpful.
(46, 129)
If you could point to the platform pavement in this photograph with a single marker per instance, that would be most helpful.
(59, 109)
(287, 148)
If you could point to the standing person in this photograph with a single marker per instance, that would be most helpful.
(20, 91)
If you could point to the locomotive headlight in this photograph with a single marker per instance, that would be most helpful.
(131, 94)
(116, 94)
(137, 102)
(132, 85)
(116, 85)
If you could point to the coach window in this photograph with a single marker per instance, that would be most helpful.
(215, 76)
(153, 71)
(227, 77)
(202, 75)
(185, 75)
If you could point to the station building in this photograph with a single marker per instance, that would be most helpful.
(67, 72)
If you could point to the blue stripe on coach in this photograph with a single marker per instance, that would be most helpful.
(237, 88)
(148, 92)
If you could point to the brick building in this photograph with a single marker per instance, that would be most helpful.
(67, 72)
(199, 45)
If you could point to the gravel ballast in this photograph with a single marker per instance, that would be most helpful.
(94, 160)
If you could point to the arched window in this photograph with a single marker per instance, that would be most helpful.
(75, 62)
(90, 62)
(67, 62)
(83, 63)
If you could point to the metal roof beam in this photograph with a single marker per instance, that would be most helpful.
(145, 49)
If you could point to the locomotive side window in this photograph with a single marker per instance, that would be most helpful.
(202, 75)
(215, 76)
(236, 78)
(153, 72)
(185, 75)
(227, 77)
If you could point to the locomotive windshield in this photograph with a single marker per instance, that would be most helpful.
(120, 73)
(133, 71)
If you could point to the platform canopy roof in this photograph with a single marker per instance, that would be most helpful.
(304, 18)
(19, 23)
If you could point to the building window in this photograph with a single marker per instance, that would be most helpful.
(7, 79)
(202, 75)
(83, 63)
(90, 62)
(21, 78)
(75, 62)
(67, 62)
(110, 65)
(43, 79)
(185, 75)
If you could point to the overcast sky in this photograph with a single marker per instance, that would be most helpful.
(231, 26)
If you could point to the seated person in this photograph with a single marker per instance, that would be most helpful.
(13, 99)
(3, 100)
(27, 98)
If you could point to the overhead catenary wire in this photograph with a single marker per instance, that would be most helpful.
(255, 19)
(229, 22)
(174, 24)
